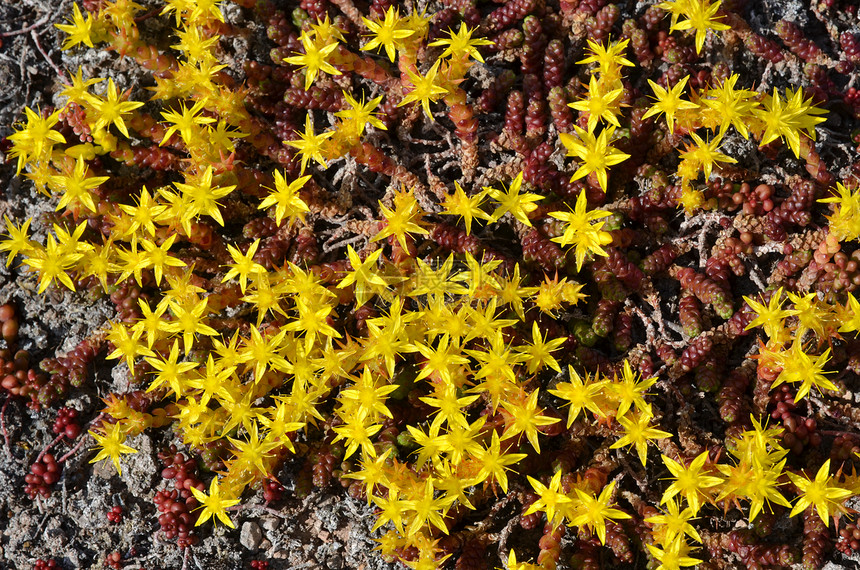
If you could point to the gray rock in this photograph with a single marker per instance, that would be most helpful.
(270, 523)
(251, 536)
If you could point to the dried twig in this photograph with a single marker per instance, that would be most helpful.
(37, 24)
(50, 61)
(6, 445)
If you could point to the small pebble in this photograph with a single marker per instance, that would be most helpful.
(251, 536)
(270, 523)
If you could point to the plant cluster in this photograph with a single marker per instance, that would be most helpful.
(363, 253)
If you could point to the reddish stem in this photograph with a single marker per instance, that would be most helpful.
(78, 445)
(48, 447)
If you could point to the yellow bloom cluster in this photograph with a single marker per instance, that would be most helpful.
(459, 336)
